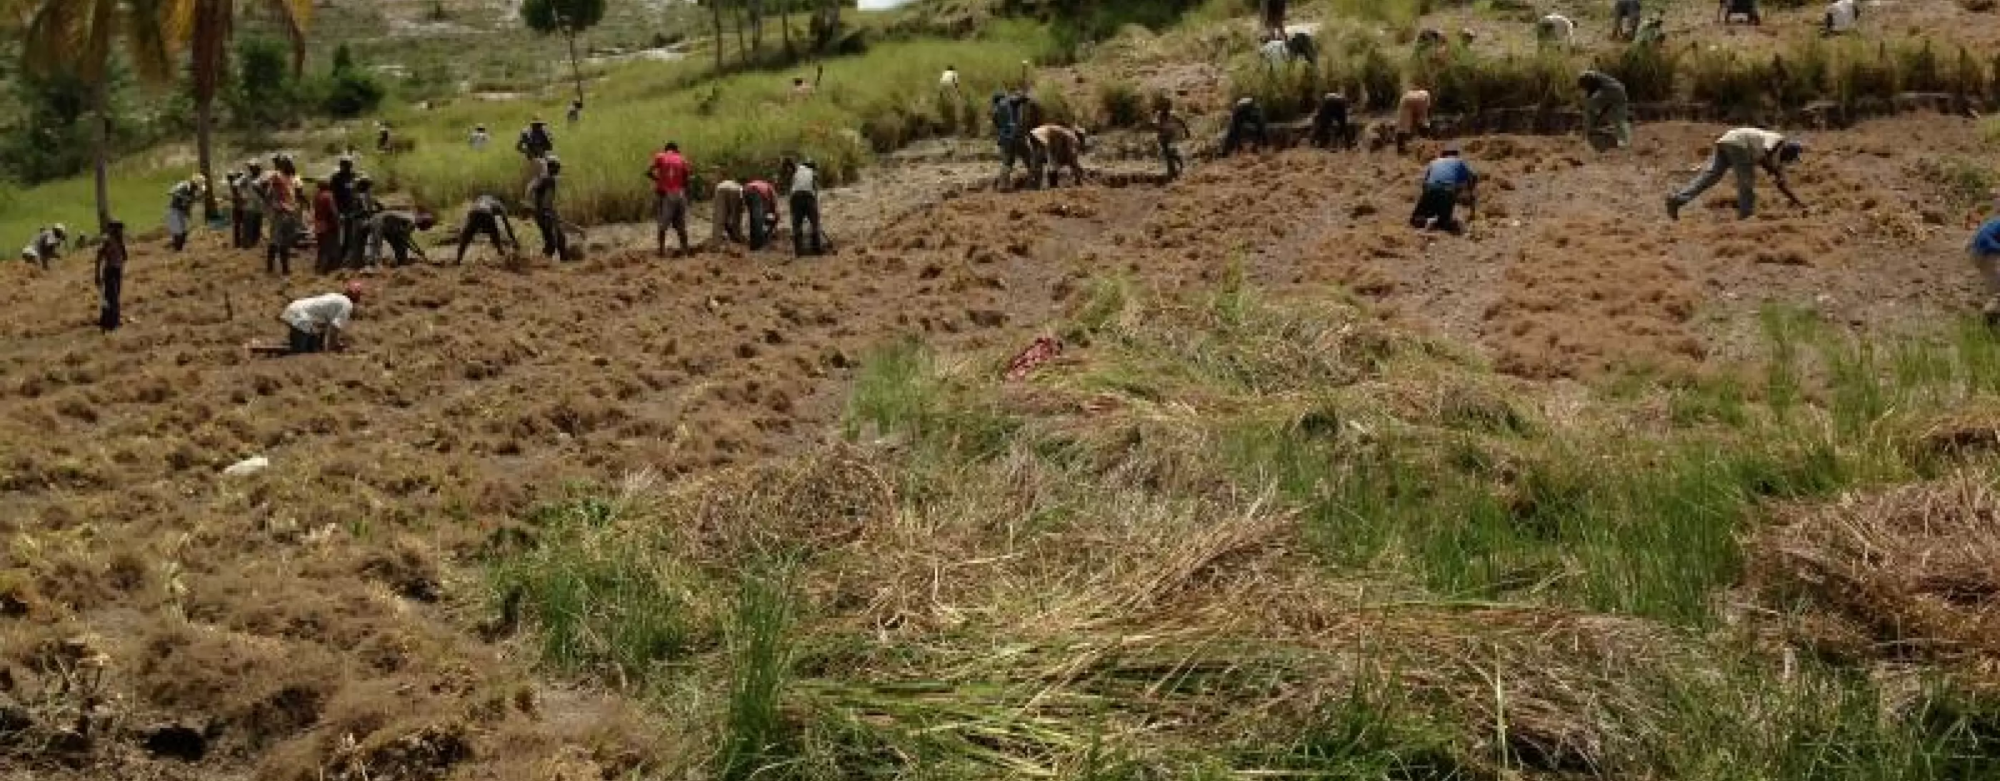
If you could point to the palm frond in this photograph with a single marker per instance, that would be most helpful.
(295, 16)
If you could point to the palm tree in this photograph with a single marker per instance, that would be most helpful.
(76, 37)
(214, 24)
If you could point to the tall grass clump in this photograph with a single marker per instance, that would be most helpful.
(1120, 105)
(1866, 74)
(1400, 15)
(760, 654)
(1648, 72)
(601, 605)
(1468, 82)
(1729, 82)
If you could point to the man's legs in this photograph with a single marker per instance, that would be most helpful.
(681, 220)
(236, 227)
(372, 251)
(661, 218)
(1621, 122)
(545, 221)
(812, 216)
(467, 234)
(253, 229)
(1433, 203)
(1989, 273)
(799, 208)
(1745, 165)
(300, 342)
(759, 230)
(1718, 162)
(114, 284)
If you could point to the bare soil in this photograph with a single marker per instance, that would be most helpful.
(322, 619)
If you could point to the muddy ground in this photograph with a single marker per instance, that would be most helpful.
(323, 617)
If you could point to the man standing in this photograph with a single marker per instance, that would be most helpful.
(1985, 253)
(326, 228)
(1330, 123)
(383, 143)
(1413, 117)
(1555, 30)
(575, 114)
(1007, 133)
(110, 276)
(535, 142)
(1164, 121)
(254, 204)
(670, 173)
(1444, 179)
(282, 195)
(46, 246)
(1624, 19)
(1604, 101)
(1743, 151)
(762, 199)
(319, 324)
(180, 205)
(1246, 127)
(479, 138)
(347, 237)
(487, 216)
(805, 209)
(235, 182)
(728, 210)
(542, 198)
(1743, 8)
(948, 93)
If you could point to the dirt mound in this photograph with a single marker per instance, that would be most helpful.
(1911, 573)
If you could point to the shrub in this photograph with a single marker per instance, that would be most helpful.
(1727, 82)
(1381, 82)
(1865, 76)
(1968, 77)
(1119, 104)
(1806, 77)
(1920, 69)
(1647, 71)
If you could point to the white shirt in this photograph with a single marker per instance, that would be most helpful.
(313, 314)
(1556, 27)
(949, 80)
(1276, 51)
(1841, 15)
(805, 180)
(1754, 138)
(479, 139)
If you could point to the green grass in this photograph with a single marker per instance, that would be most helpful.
(760, 659)
(138, 197)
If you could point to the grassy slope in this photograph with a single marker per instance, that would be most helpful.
(1235, 537)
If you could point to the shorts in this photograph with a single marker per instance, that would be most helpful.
(671, 210)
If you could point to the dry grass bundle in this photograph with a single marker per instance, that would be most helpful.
(1915, 571)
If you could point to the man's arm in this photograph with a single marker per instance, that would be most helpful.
(333, 341)
(97, 269)
(508, 226)
(1778, 177)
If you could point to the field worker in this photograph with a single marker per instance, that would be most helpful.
(235, 182)
(1747, 9)
(281, 194)
(805, 210)
(1605, 103)
(354, 224)
(1273, 14)
(479, 138)
(948, 86)
(1429, 38)
(1842, 16)
(800, 89)
(180, 205)
(1059, 147)
(1624, 19)
(1330, 123)
(398, 229)
(542, 200)
(1164, 121)
(1743, 150)
(762, 201)
(1985, 253)
(1444, 179)
(670, 173)
(1246, 127)
(1413, 117)
(319, 324)
(1303, 47)
(1007, 134)
(1555, 30)
(254, 204)
(326, 228)
(342, 181)
(382, 141)
(110, 275)
(728, 219)
(46, 246)
(575, 114)
(487, 216)
(535, 142)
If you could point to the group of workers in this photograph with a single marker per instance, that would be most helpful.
(1045, 148)
(351, 227)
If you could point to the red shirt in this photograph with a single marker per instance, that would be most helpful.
(326, 217)
(763, 190)
(670, 173)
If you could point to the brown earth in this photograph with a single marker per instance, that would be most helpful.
(322, 619)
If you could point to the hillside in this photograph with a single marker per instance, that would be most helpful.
(1231, 476)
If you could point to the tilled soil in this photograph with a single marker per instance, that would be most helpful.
(313, 620)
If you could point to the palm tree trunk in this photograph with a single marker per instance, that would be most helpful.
(575, 69)
(742, 45)
(102, 107)
(204, 130)
(785, 26)
(716, 7)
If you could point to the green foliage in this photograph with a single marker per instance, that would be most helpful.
(1381, 82)
(561, 16)
(1734, 84)
(1862, 75)
(352, 93)
(1467, 82)
(50, 138)
(264, 94)
(760, 651)
(1919, 68)
(1120, 105)
(1648, 72)
(601, 605)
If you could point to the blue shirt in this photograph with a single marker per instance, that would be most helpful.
(1449, 172)
(1987, 240)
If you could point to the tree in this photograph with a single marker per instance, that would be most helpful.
(825, 23)
(75, 38)
(568, 17)
(214, 24)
